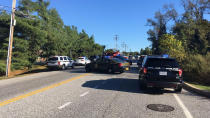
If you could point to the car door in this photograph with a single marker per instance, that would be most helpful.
(100, 64)
(61, 61)
(96, 64)
(69, 61)
(66, 61)
(104, 64)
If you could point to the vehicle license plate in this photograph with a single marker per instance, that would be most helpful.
(163, 73)
(126, 68)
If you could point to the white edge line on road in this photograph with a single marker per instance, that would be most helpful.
(63, 106)
(84, 94)
(186, 111)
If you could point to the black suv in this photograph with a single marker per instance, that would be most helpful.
(160, 72)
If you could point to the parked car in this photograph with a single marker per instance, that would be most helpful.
(161, 73)
(82, 61)
(107, 65)
(60, 62)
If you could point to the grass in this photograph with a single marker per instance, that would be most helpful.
(202, 87)
(18, 73)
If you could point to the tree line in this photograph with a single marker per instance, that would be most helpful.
(41, 32)
(183, 36)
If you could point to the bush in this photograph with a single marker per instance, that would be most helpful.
(197, 68)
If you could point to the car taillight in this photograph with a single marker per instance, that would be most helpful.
(145, 70)
(59, 62)
(180, 72)
(120, 64)
(82, 60)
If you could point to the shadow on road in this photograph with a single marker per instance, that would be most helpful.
(124, 85)
(82, 70)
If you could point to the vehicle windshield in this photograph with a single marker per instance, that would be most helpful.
(161, 62)
(53, 59)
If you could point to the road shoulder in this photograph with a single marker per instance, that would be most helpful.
(194, 89)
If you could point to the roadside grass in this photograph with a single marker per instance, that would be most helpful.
(202, 87)
(20, 73)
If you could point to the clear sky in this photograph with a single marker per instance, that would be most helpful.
(106, 18)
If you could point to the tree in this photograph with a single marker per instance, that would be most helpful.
(146, 51)
(40, 32)
(109, 51)
(169, 45)
(159, 24)
(192, 29)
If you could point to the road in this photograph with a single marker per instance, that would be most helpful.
(76, 94)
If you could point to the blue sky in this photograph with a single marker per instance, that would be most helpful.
(106, 18)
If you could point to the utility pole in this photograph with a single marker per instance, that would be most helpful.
(124, 46)
(12, 25)
(116, 38)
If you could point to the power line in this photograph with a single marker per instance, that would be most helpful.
(124, 45)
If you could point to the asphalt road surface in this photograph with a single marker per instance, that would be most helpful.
(76, 94)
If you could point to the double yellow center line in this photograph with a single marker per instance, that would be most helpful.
(40, 90)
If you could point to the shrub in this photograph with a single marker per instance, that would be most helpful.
(197, 68)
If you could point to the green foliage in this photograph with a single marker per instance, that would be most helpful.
(188, 40)
(191, 28)
(197, 68)
(20, 56)
(42, 33)
(2, 67)
(146, 51)
(109, 51)
(169, 45)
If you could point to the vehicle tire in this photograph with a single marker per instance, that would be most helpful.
(63, 67)
(178, 89)
(87, 69)
(72, 66)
